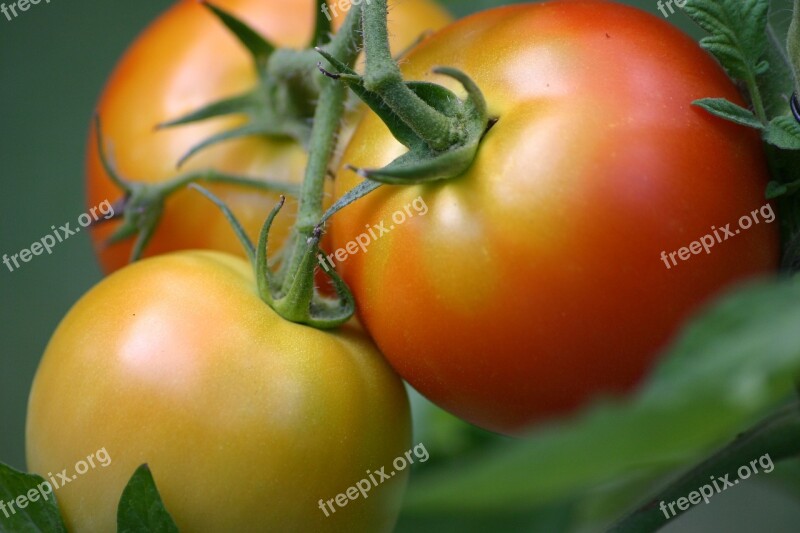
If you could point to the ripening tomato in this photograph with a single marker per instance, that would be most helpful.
(187, 59)
(535, 282)
(246, 420)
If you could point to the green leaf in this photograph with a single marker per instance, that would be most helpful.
(728, 110)
(141, 509)
(738, 360)
(776, 438)
(783, 132)
(27, 504)
(738, 33)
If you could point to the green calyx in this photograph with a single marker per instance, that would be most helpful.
(281, 103)
(292, 295)
(289, 287)
(441, 131)
(298, 299)
(293, 100)
(142, 204)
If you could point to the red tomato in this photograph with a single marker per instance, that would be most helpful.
(534, 283)
(187, 59)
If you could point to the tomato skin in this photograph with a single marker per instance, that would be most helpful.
(184, 60)
(246, 420)
(534, 284)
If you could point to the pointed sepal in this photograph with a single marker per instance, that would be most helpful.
(260, 48)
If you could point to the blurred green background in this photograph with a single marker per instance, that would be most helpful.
(54, 60)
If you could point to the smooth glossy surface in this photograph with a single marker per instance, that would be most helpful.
(184, 60)
(246, 420)
(534, 283)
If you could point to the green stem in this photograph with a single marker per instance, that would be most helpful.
(793, 45)
(778, 436)
(758, 102)
(323, 141)
(383, 76)
(327, 121)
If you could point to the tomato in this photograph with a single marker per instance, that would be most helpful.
(187, 59)
(246, 420)
(534, 282)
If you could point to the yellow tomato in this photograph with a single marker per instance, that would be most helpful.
(246, 420)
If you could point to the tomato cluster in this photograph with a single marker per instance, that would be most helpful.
(530, 285)
(245, 419)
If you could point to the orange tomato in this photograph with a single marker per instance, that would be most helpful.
(534, 283)
(184, 60)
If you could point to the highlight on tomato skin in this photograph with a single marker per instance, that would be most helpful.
(535, 284)
(184, 60)
(236, 411)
